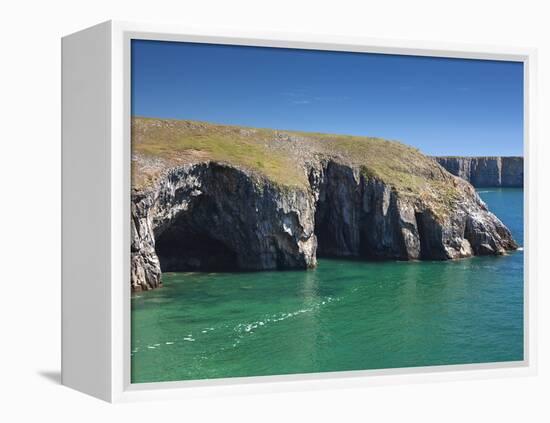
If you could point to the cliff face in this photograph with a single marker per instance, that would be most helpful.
(202, 214)
(486, 171)
(210, 216)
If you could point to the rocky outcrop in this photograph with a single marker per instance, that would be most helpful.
(486, 171)
(361, 216)
(213, 216)
(210, 216)
(210, 197)
(358, 216)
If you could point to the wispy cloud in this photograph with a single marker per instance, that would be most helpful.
(294, 93)
(332, 98)
(300, 96)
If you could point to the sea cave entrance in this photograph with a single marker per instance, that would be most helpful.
(187, 246)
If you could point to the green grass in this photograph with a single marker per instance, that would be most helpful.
(183, 141)
(279, 155)
(402, 166)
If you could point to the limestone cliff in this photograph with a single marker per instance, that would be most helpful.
(214, 197)
(211, 216)
(486, 171)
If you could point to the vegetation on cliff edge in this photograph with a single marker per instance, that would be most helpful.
(158, 144)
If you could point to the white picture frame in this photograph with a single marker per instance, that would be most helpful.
(96, 226)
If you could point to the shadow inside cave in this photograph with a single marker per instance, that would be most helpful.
(185, 247)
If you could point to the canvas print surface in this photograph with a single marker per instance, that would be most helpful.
(299, 211)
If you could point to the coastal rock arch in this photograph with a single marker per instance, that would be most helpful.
(213, 217)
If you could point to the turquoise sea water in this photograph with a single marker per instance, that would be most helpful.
(345, 315)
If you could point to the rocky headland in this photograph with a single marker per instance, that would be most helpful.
(486, 171)
(214, 197)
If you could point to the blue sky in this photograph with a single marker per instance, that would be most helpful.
(442, 106)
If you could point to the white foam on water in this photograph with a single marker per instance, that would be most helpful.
(188, 338)
(169, 343)
(245, 329)
(520, 249)
(249, 327)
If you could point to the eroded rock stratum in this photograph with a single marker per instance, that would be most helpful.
(213, 198)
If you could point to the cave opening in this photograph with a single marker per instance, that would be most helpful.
(326, 237)
(338, 232)
(186, 246)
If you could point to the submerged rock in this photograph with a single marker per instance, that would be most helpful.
(203, 214)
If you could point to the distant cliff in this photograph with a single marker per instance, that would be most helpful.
(486, 171)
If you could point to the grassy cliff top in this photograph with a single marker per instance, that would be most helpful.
(158, 144)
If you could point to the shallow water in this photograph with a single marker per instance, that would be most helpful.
(345, 315)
